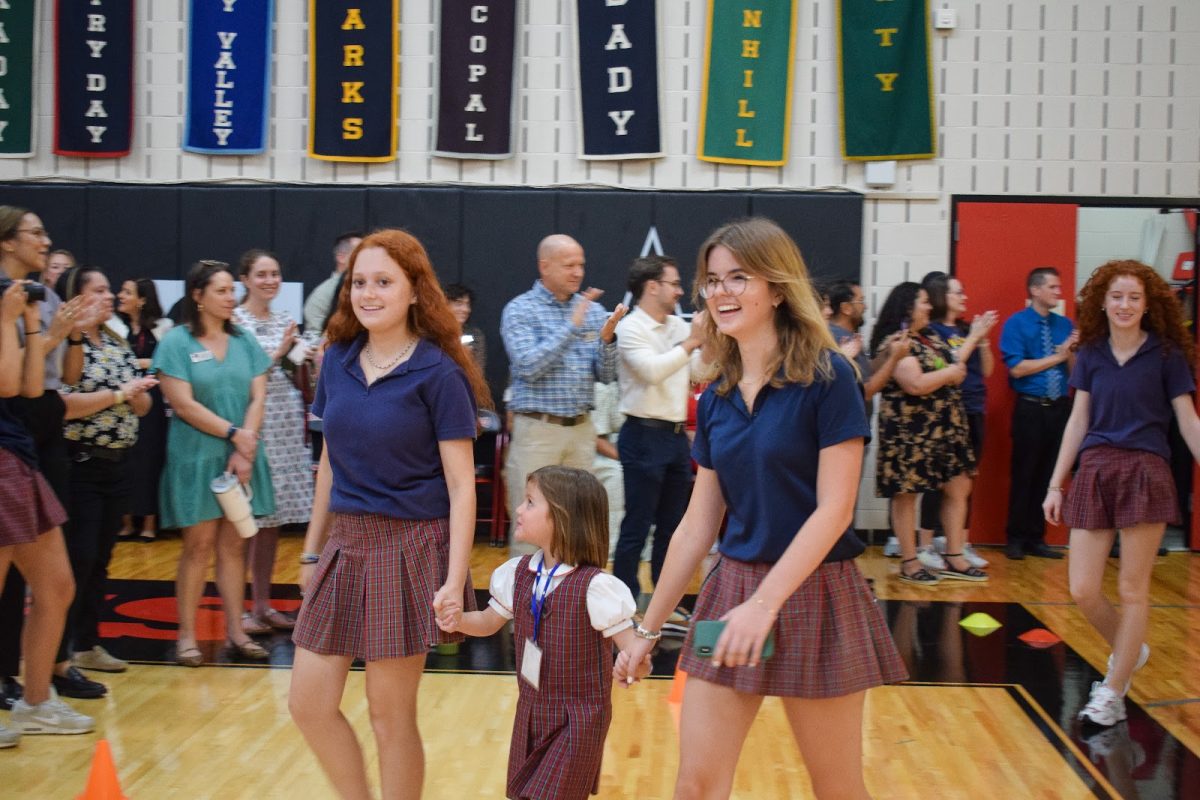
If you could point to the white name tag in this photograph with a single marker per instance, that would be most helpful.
(203, 355)
(531, 664)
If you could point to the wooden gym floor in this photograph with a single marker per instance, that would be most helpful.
(984, 716)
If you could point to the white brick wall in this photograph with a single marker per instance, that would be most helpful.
(1034, 97)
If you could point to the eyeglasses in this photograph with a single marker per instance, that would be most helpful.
(38, 233)
(676, 284)
(733, 284)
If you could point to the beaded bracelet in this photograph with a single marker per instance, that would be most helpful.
(310, 558)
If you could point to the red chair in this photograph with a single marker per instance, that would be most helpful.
(492, 476)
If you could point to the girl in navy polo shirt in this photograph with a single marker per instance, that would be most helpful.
(779, 443)
(1132, 372)
(397, 396)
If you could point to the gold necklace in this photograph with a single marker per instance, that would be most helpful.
(408, 348)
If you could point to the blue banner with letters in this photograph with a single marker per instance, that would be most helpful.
(93, 87)
(476, 48)
(618, 92)
(229, 77)
(353, 74)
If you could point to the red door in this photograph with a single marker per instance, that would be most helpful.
(996, 246)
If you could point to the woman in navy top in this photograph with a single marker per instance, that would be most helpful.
(397, 397)
(779, 443)
(1132, 372)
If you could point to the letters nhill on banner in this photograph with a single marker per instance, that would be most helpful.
(617, 60)
(886, 80)
(18, 25)
(476, 49)
(354, 71)
(93, 86)
(229, 76)
(746, 106)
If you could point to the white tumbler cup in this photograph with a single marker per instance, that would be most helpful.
(234, 499)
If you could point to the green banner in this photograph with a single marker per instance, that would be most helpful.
(746, 106)
(886, 80)
(17, 26)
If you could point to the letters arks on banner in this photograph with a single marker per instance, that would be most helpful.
(93, 86)
(476, 46)
(18, 25)
(747, 91)
(229, 71)
(353, 75)
(617, 57)
(887, 89)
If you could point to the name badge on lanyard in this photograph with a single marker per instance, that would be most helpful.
(531, 660)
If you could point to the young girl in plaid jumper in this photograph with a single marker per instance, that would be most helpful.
(565, 611)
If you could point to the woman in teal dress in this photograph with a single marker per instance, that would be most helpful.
(214, 375)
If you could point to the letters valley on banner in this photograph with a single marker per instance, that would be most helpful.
(18, 25)
(353, 74)
(93, 90)
(229, 77)
(476, 48)
(617, 54)
(746, 106)
(886, 79)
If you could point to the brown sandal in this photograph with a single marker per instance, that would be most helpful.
(189, 656)
(250, 649)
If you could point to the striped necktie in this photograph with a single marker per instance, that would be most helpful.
(1053, 376)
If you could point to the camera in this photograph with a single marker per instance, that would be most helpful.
(34, 292)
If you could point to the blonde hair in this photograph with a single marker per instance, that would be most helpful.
(579, 512)
(764, 250)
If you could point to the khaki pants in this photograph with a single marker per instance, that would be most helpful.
(536, 444)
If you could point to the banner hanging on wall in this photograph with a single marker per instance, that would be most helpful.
(18, 24)
(886, 80)
(229, 77)
(476, 48)
(747, 102)
(616, 48)
(93, 86)
(353, 63)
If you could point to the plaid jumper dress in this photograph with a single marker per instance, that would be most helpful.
(559, 730)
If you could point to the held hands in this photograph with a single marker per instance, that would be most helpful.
(633, 663)
(1052, 506)
(447, 606)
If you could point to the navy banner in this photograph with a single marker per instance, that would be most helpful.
(477, 44)
(617, 51)
(229, 77)
(353, 75)
(93, 87)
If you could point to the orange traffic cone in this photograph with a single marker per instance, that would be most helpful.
(677, 684)
(102, 783)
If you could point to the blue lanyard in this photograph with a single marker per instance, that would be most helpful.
(538, 599)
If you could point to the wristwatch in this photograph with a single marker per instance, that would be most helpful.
(652, 636)
(229, 433)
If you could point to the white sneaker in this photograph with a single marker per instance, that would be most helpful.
(891, 548)
(49, 716)
(1104, 707)
(929, 559)
(99, 660)
(1143, 657)
(9, 737)
(974, 559)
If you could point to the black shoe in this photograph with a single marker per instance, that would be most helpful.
(1015, 551)
(10, 691)
(1040, 550)
(74, 684)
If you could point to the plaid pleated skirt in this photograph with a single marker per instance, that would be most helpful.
(28, 506)
(830, 637)
(371, 595)
(1116, 488)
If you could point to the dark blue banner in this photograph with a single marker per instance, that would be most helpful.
(617, 48)
(93, 86)
(229, 77)
(353, 69)
(477, 42)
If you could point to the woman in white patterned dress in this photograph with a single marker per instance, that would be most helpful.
(282, 434)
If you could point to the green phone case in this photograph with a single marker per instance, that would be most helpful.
(707, 631)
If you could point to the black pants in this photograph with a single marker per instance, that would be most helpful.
(43, 417)
(1036, 434)
(99, 498)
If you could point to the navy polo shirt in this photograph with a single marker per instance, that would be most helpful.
(974, 392)
(1130, 405)
(766, 461)
(383, 439)
(1021, 339)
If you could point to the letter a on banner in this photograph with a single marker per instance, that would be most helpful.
(354, 71)
(746, 106)
(229, 77)
(476, 48)
(93, 93)
(18, 23)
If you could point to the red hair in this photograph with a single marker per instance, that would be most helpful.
(429, 317)
(1163, 316)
